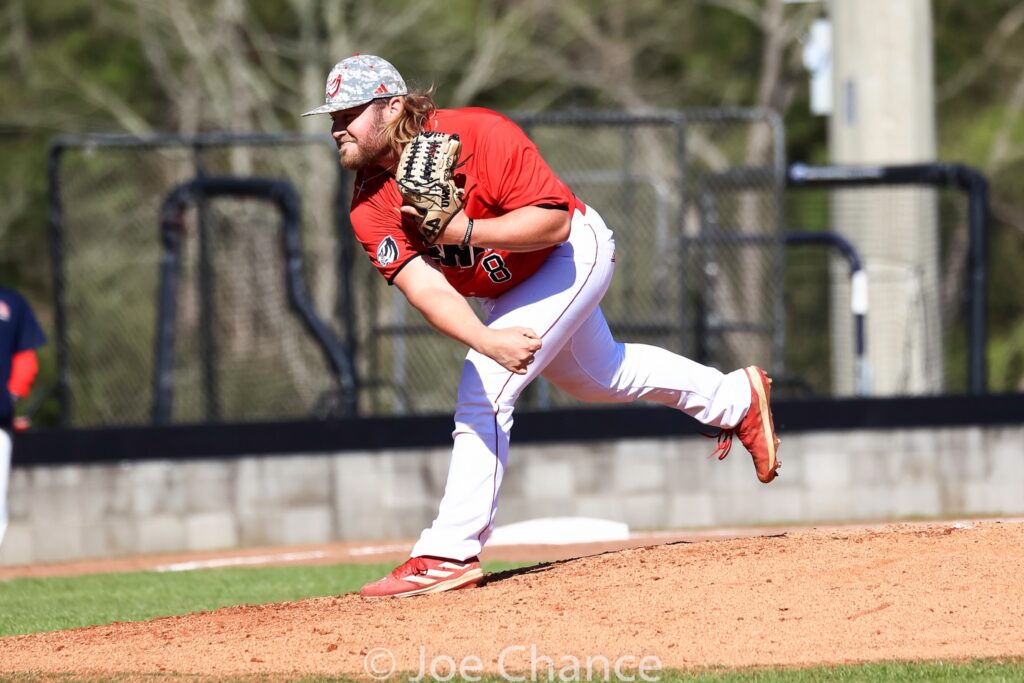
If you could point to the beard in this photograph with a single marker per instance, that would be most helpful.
(356, 155)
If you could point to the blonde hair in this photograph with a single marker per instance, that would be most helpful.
(419, 105)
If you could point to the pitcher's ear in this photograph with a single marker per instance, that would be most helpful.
(394, 107)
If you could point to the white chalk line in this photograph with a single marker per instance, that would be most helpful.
(379, 549)
(240, 561)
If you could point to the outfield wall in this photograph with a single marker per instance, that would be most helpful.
(152, 505)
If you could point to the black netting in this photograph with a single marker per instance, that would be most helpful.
(913, 242)
(233, 313)
(241, 352)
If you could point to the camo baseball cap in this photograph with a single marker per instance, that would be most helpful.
(357, 80)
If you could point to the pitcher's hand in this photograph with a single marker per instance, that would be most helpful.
(513, 348)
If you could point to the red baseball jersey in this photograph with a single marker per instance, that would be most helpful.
(501, 171)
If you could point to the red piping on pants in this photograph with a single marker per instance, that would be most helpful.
(494, 477)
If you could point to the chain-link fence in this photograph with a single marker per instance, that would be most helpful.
(696, 203)
(694, 199)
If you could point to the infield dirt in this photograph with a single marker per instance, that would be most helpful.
(899, 592)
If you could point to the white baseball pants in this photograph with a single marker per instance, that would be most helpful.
(561, 303)
(5, 473)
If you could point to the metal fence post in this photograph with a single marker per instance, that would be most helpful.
(55, 218)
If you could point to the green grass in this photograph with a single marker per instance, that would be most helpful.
(33, 605)
(887, 672)
(987, 671)
(894, 672)
(979, 671)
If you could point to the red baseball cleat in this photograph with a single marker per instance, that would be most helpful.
(425, 574)
(757, 429)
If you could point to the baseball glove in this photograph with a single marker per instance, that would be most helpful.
(425, 179)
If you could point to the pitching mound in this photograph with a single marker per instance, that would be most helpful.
(898, 592)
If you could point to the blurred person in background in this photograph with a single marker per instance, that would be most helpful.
(20, 336)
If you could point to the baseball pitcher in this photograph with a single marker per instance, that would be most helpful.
(456, 203)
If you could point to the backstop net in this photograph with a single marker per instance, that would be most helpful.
(241, 352)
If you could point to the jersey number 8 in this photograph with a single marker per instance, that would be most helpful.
(496, 270)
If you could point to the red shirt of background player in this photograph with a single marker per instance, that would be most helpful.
(500, 170)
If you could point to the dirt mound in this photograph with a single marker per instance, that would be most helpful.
(898, 592)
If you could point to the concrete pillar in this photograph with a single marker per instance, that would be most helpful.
(884, 113)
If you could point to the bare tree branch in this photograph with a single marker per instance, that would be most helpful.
(1002, 148)
(495, 47)
(18, 41)
(744, 8)
(995, 48)
(1009, 213)
(104, 98)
